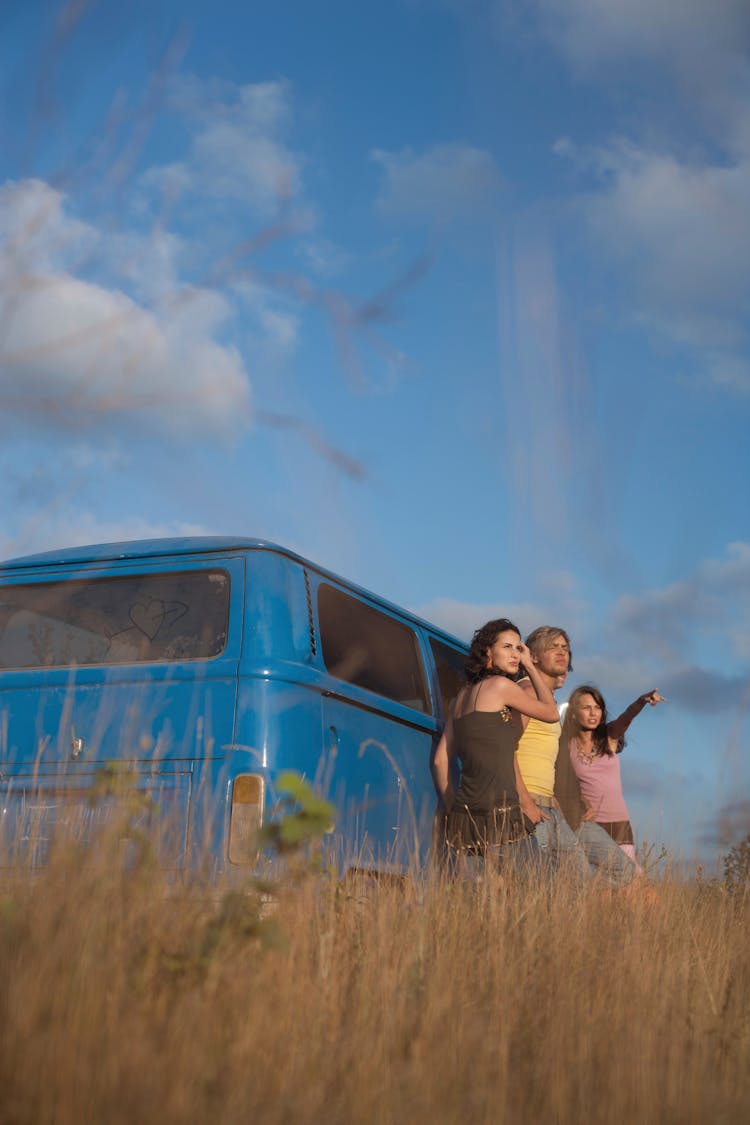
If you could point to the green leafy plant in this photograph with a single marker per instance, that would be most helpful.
(305, 817)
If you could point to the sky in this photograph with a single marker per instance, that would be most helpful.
(450, 296)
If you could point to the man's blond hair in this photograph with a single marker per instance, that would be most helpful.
(540, 639)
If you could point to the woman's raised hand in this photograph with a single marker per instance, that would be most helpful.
(526, 658)
(653, 697)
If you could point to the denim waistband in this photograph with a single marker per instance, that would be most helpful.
(542, 801)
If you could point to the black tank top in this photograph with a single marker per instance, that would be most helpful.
(485, 744)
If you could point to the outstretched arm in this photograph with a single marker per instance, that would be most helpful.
(616, 729)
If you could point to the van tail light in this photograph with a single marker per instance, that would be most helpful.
(246, 818)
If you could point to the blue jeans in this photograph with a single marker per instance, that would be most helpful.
(519, 859)
(605, 856)
(561, 848)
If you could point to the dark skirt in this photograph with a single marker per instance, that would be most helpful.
(477, 832)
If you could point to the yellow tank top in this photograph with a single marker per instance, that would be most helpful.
(537, 754)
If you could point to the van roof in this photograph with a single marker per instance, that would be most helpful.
(138, 549)
(192, 545)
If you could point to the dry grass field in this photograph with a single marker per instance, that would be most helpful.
(125, 998)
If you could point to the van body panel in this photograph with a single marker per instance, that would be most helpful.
(379, 747)
(181, 708)
(37, 808)
(312, 674)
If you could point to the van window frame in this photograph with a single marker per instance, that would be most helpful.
(462, 653)
(225, 662)
(377, 700)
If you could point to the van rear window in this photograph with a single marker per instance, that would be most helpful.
(126, 620)
(370, 649)
(449, 663)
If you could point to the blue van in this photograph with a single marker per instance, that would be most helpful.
(202, 668)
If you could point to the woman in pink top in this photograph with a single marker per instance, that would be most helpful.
(594, 744)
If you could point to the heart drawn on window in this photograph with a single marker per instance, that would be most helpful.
(150, 616)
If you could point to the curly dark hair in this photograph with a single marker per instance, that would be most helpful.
(476, 662)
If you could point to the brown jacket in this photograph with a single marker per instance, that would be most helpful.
(567, 789)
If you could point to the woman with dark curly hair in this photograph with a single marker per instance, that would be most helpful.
(593, 744)
(483, 816)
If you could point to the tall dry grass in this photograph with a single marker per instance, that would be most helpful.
(125, 997)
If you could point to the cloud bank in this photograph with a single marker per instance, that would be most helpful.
(238, 149)
(669, 202)
(74, 351)
(675, 635)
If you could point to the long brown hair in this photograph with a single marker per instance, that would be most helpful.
(571, 727)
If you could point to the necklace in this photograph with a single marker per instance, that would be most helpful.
(586, 756)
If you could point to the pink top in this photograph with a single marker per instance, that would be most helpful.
(601, 784)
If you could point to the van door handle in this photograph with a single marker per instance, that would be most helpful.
(77, 747)
(334, 741)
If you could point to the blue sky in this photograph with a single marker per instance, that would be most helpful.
(452, 296)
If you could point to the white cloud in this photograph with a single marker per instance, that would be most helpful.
(689, 225)
(462, 618)
(77, 352)
(36, 232)
(238, 150)
(713, 601)
(673, 214)
(149, 265)
(690, 638)
(681, 229)
(691, 33)
(444, 184)
(620, 671)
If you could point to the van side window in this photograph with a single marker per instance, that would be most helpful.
(129, 620)
(370, 649)
(449, 663)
